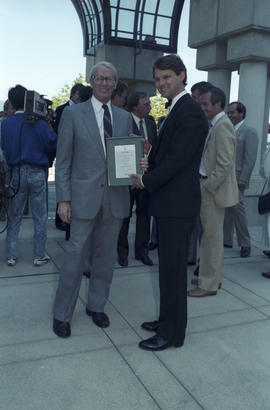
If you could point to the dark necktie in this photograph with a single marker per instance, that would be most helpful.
(107, 122)
(168, 104)
(141, 129)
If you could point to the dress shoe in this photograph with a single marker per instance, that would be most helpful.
(150, 326)
(99, 318)
(266, 253)
(123, 261)
(201, 293)
(191, 263)
(152, 246)
(61, 329)
(196, 271)
(227, 246)
(245, 251)
(266, 275)
(62, 226)
(196, 283)
(87, 274)
(157, 343)
(146, 260)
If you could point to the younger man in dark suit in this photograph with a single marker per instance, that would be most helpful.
(173, 181)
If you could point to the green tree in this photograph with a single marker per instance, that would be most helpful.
(158, 106)
(64, 94)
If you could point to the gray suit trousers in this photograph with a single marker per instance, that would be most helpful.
(235, 216)
(105, 229)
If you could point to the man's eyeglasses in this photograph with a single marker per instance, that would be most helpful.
(98, 79)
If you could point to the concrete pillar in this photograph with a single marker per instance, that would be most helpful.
(252, 93)
(222, 79)
(266, 117)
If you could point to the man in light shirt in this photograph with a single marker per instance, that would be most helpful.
(85, 199)
(246, 154)
(219, 190)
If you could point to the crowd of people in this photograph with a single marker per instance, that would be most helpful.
(196, 167)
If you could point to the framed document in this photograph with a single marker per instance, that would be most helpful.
(123, 159)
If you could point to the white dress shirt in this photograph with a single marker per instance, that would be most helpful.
(175, 99)
(99, 113)
(238, 125)
(137, 122)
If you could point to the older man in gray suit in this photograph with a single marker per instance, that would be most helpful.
(246, 153)
(85, 199)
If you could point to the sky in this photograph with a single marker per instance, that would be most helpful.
(42, 47)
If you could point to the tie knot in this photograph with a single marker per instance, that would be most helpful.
(168, 104)
(105, 107)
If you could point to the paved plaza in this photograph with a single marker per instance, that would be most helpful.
(224, 364)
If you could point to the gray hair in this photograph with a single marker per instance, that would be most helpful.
(105, 64)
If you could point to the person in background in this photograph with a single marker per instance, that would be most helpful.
(119, 95)
(74, 99)
(246, 154)
(26, 148)
(138, 104)
(219, 190)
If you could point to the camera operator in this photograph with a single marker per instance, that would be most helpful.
(26, 147)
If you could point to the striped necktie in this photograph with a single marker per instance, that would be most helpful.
(142, 133)
(107, 122)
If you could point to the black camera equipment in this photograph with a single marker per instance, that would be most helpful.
(36, 107)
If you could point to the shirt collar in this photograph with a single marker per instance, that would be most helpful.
(137, 119)
(238, 125)
(176, 98)
(98, 104)
(217, 117)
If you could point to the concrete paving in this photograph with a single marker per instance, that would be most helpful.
(224, 364)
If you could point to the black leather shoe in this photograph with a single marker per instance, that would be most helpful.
(157, 343)
(61, 329)
(150, 326)
(227, 246)
(87, 274)
(266, 275)
(245, 251)
(152, 246)
(123, 261)
(196, 271)
(266, 253)
(99, 318)
(146, 260)
(62, 226)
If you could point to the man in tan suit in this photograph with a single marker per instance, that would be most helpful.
(219, 190)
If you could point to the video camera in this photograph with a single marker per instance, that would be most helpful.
(36, 107)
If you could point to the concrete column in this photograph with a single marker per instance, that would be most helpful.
(266, 117)
(252, 93)
(222, 79)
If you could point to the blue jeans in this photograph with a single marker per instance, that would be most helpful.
(32, 184)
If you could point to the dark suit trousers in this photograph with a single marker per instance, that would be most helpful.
(141, 198)
(174, 237)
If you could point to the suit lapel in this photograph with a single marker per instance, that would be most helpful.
(92, 125)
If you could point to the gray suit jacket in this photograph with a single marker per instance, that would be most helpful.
(81, 163)
(246, 152)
